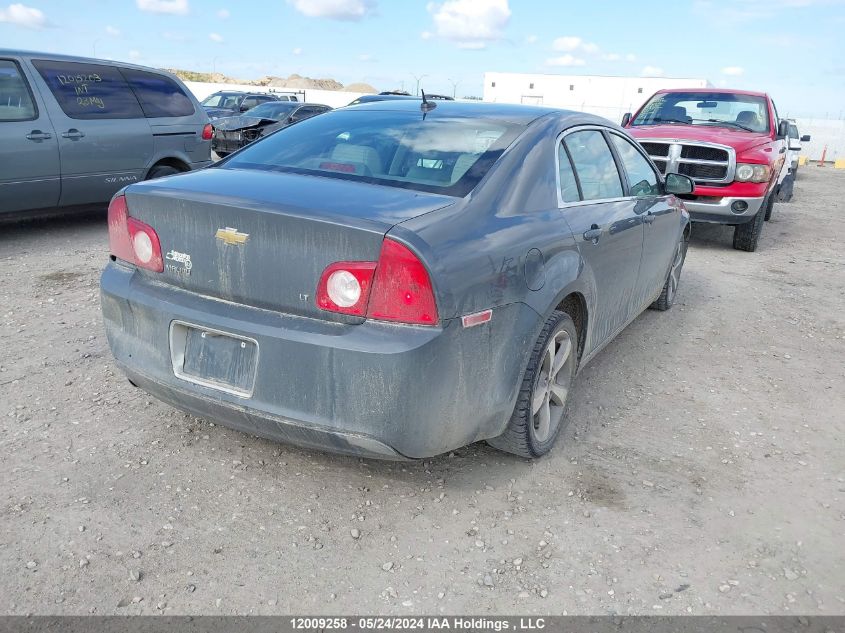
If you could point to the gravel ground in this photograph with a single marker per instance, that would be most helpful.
(702, 472)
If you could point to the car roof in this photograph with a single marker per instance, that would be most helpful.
(727, 91)
(475, 109)
(241, 92)
(10, 52)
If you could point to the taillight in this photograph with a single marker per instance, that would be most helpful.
(396, 288)
(345, 287)
(402, 290)
(207, 132)
(131, 240)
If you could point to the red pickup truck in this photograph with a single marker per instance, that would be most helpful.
(730, 142)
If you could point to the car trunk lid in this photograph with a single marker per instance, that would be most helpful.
(263, 238)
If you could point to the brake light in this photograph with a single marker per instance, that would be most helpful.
(396, 288)
(207, 132)
(345, 287)
(131, 240)
(402, 290)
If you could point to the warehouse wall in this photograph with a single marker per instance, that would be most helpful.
(823, 132)
(605, 96)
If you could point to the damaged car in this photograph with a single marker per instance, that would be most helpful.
(396, 279)
(233, 133)
(226, 103)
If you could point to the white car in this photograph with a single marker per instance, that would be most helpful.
(794, 146)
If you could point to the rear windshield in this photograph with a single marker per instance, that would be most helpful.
(742, 112)
(222, 100)
(397, 149)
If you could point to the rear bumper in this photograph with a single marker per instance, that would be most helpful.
(720, 211)
(374, 389)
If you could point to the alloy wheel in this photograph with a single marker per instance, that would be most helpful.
(552, 389)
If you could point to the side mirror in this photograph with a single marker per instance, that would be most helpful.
(783, 129)
(244, 108)
(805, 138)
(679, 184)
(626, 119)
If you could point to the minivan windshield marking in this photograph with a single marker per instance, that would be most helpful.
(741, 112)
(397, 149)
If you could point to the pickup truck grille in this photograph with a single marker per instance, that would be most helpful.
(703, 162)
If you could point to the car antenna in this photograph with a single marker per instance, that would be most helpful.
(426, 106)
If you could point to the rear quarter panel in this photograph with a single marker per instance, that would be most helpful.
(181, 137)
(505, 244)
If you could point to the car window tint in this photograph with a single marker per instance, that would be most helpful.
(158, 95)
(397, 149)
(15, 100)
(307, 111)
(249, 102)
(568, 184)
(89, 91)
(641, 177)
(594, 165)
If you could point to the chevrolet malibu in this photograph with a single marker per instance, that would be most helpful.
(394, 279)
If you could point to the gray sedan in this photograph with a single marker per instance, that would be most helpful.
(394, 279)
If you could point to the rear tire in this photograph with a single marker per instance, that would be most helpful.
(542, 405)
(746, 236)
(160, 171)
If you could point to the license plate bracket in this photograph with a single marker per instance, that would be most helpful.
(213, 358)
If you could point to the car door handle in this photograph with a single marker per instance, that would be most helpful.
(593, 234)
(38, 135)
(648, 218)
(73, 133)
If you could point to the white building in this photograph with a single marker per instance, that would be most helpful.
(609, 97)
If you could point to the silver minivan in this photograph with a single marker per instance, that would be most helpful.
(73, 131)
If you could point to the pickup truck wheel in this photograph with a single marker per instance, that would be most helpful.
(543, 401)
(747, 235)
(673, 279)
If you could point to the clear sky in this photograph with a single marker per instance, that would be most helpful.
(793, 49)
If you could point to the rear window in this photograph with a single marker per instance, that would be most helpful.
(89, 91)
(397, 149)
(158, 95)
(224, 100)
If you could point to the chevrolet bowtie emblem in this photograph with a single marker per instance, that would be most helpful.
(231, 236)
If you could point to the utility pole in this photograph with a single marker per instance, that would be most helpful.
(419, 78)
(454, 87)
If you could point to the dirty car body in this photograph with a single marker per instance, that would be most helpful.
(462, 237)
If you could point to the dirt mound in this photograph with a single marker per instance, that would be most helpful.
(360, 87)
